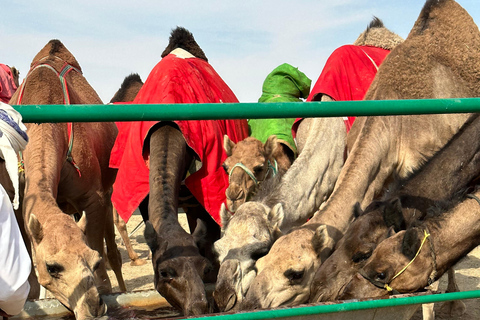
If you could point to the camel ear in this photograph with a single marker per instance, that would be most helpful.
(225, 217)
(36, 229)
(392, 215)
(270, 145)
(228, 145)
(411, 242)
(322, 242)
(276, 216)
(153, 239)
(82, 223)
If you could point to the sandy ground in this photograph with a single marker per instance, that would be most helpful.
(141, 277)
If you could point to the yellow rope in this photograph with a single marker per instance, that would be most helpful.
(426, 235)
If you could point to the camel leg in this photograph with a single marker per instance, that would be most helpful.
(454, 308)
(122, 229)
(427, 309)
(113, 254)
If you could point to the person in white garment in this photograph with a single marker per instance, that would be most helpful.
(15, 263)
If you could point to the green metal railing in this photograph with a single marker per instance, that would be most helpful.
(126, 112)
(349, 306)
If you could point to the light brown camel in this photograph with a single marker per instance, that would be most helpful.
(249, 163)
(449, 171)
(65, 174)
(290, 202)
(429, 64)
(127, 92)
(414, 258)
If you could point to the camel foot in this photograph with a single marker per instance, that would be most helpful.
(138, 262)
(454, 308)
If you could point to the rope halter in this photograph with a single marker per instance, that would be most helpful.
(271, 168)
(386, 286)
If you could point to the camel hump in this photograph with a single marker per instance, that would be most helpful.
(55, 46)
(375, 23)
(377, 35)
(430, 12)
(182, 38)
(132, 78)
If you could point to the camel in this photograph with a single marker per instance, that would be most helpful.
(458, 162)
(277, 208)
(254, 162)
(414, 258)
(67, 173)
(428, 64)
(171, 150)
(127, 93)
(259, 157)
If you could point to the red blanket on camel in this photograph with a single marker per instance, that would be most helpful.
(347, 75)
(177, 80)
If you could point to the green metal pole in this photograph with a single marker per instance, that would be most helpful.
(126, 112)
(349, 306)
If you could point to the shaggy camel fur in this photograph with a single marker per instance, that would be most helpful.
(430, 63)
(60, 183)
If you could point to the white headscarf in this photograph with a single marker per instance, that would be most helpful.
(13, 139)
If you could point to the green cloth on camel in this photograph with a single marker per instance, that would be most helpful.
(284, 84)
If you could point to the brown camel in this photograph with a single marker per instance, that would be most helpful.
(127, 93)
(414, 258)
(428, 64)
(179, 258)
(249, 163)
(65, 174)
(447, 172)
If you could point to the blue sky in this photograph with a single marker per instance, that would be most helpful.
(243, 40)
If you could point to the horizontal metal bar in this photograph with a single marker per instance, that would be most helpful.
(136, 112)
(348, 306)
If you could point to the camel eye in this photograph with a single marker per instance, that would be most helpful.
(380, 276)
(54, 270)
(167, 273)
(294, 276)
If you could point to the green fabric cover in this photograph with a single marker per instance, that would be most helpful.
(284, 84)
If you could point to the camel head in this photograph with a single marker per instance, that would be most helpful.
(386, 264)
(179, 272)
(247, 236)
(379, 221)
(285, 273)
(66, 265)
(248, 163)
